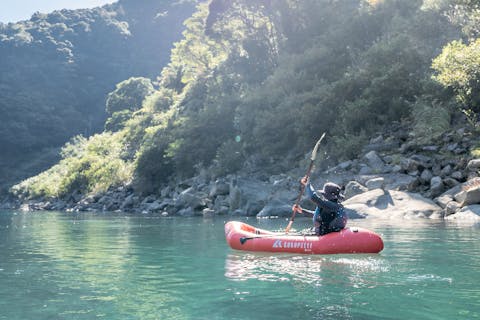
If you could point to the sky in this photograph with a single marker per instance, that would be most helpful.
(16, 10)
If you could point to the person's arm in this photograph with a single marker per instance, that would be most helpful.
(319, 200)
(299, 209)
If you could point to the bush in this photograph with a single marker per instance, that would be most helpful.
(229, 157)
(88, 166)
(430, 120)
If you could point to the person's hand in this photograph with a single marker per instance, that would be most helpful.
(304, 181)
(296, 208)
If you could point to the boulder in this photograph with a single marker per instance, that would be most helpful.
(208, 213)
(443, 200)
(473, 165)
(426, 176)
(234, 198)
(188, 198)
(276, 208)
(374, 161)
(219, 188)
(375, 183)
(186, 212)
(469, 214)
(392, 181)
(451, 208)
(353, 188)
(436, 186)
(468, 197)
(457, 175)
(450, 182)
(446, 171)
(391, 204)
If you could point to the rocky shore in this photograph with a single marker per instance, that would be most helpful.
(395, 176)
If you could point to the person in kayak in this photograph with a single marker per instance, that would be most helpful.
(329, 216)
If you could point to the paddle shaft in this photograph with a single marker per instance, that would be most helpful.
(300, 195)
(244, 239)
(302, 187)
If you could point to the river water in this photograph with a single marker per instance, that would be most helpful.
(57, 265)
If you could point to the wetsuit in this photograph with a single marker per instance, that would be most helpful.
(329, 216)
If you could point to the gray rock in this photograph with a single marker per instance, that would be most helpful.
(452, 207)
(189, 199)
(450, 182)
(473, 164)
(149, 199)
(426, 176)
(374, 161)
(452, 146)
(391, 204)
(472, 175)
(165, 192)
(375, 183)
(457, 175)
(219, 188)
(436, 186)
(208, 213)
(235, 198)
(409, 165)
(468, 214)
(154, 206)
(396, 169)
(346, 165)
(432, 148)
(400, 182)
(365, 170)
(446, 171)
(353, 188)
(186, 212)
(128, 202)
(443, 200)
(468, 196)
(422, 160)
(275, 208)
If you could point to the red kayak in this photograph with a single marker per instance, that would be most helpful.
(241, 236)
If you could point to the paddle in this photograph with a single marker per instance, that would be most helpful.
(244, 239)
(302, 188)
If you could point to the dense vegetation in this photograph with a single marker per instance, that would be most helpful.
(57, 68)
(254, 83)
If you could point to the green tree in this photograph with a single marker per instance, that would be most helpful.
(129, 95)
(458, 67)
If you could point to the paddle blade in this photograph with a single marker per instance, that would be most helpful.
(315, 149)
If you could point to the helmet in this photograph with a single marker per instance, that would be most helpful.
(331, 191)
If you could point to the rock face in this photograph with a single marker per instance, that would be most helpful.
(391, 204)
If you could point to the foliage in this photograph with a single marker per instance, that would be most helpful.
(129, 95)
(431, 119)
(458, 67)
(87, 166)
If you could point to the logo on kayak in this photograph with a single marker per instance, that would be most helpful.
(292, 244)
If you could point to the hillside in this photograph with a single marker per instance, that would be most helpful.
(251, 86)
(56, 70)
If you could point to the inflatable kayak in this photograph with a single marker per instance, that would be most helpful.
(241, 236)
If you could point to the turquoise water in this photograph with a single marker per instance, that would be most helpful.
(89, 266)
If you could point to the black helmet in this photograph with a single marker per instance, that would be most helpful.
(331, 191)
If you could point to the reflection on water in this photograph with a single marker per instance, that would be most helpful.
(355, 270)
